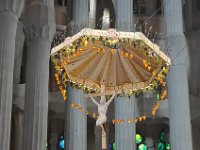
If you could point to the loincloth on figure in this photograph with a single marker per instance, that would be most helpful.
(101, 120)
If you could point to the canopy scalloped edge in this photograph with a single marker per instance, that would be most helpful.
(113, 33)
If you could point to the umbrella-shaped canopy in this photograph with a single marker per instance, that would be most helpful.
(122, 61)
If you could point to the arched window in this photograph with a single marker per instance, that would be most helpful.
(102, 13)
(106, 19)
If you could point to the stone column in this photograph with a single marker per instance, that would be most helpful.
(174, 16)
(92, 15)
(76, 123)
(18, 52)
(40, 25)
(178, 92)
(80, 17)
(98, 138)
(124, 106)
(80, 13)
(10, 11)
(124, 15)
(125, 133)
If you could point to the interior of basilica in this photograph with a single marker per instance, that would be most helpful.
(37, 113)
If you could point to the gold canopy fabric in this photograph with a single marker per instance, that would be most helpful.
(123, 61)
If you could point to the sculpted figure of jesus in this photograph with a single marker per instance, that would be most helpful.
(102, 110)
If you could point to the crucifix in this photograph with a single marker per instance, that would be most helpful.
(102, 111)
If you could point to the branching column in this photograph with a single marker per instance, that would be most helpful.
(40, 25)
(124, 106)
(76, 123)
(10, 11)
(92, 15)
(179, 107)
(124, 15)
(125, 133)
(80, 12)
